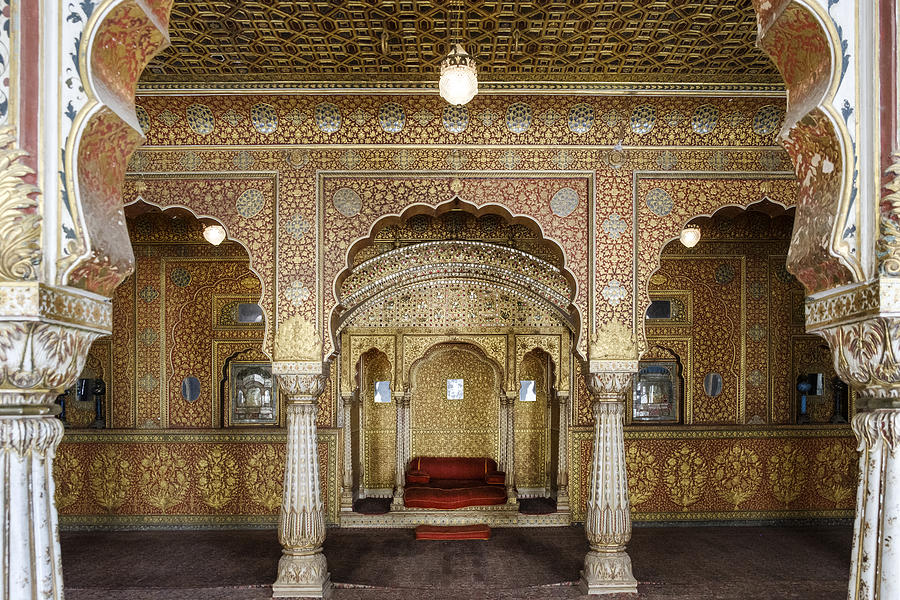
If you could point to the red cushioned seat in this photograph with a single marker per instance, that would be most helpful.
(453, 482)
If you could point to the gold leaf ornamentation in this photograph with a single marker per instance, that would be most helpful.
(110, 478)
(613, 340)
(68, 472)
(297, 340)
(787, 473)
(835, 473)
(685, 476)
(217, 477)
(264, 478)
(20, 217)
(737, 474)
(643, 474)
(164, 480)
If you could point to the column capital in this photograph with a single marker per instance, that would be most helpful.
(609, 386)
(876, 427)
(301, 388)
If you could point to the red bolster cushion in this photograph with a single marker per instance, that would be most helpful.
(418, 477)
(495, 477)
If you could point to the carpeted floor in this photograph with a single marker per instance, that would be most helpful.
(671, 563)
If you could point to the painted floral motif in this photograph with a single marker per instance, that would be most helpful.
(835, 473)
(550, 117)
(518, 117)
(249, 203)
(360, 116)
(148, 382)
(164, 480)
(148, 293)
(143, 118)
(391, 117)
(244, 160)
(510, 159)
(110, 478)
(297, 293)
(685, 476)
(757, 332)
(704, 119)
(424, 117)
(737, 473)
(659, 202)
(667, 160)
(674, 118)
(564, 202)
(180, 277)
(191, 161)
(643, 118)
(456, 159)
(200, 119)
(581, 118)
(327, 117)
(264, 118)
(168, 117)
(488, 117)
(148, 336)
(718, 161)
(612, 117)
(297, 117)
(297, 158)
(217, 478)
(767, 119)
(297, 227)
(614, 226)
(68, 472)
(614, 292)
(455, 118)
(643, 474)
(347, 202)
(787, 473)
(232, 117)
(264, 477)
(755, 378)
(724, 274)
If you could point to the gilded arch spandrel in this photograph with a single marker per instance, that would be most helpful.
(551, 343)
(359, 344)
(493, 345)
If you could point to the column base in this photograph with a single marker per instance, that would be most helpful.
(302, 576)
(397, 503)
(607, 573)
(346, 501)
(562, 501)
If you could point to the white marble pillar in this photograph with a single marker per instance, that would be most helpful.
(511, 494)
(607, 567)
(347, 478)
(562, 472)
(302, 570)
(875, 560)
(402, 450)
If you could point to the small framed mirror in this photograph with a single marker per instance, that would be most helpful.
(527, 391)
(712, 384)
(382, 392)
(190, 388)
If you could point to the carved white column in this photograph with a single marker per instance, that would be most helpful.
(402, 452)
(562, 474)
(347, 479)
(512, 496)
(607, 567)
(502, 462)
(302, 570)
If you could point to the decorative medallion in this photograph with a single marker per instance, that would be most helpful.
(297, 158)
(518, 117)
(643, 118)
(614, 292)
(674, 118)
(148, 336)
(614, 226)
(200, 119)
(148, 294)
(190, 160)
(615, 158)
(147, 382)
(297, 117)
(296, 227)
(509, 159)
(168, 117)
(403, 158)
(563, 159)
(251, 282)
(143, 118)
(180, 277)
(718, 160)
(488, 117)
(264, 117)
(770, 161)
(456, 159)
(328, 117)
(243, 160)
(391, 117)
(667, 160)
(581, 118)
(612, 117)
(755, 378)
(757, 332)
(351, 159)
(347, 202)
(550, 116)
(734, 119)
(767, 119)
(658, 279)
(564, 202)
(360, 116)
(659, 202)
(724, 274)
(704, 119)
(297, 293)
(455, 118)
(249, 203)
(423, 117)
(757, 289)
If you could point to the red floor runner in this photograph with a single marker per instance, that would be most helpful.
(457, 532)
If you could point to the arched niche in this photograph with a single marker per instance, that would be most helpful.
(375, 418)
(449, 426)
(536, 422)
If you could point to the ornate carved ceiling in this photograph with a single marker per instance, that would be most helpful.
(377, 42)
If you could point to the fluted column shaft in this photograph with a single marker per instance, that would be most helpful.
(347, 479)
(302, 570)
(607, 567)
(402, 445)
(875, 560)
(511, 449)
(562, 473)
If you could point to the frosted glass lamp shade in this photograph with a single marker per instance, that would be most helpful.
(690, 236)
(459, 79)
(214, 234)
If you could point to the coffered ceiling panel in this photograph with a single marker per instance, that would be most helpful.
(540, 40)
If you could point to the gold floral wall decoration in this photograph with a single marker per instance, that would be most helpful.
(111, 477)
(217, 481)
(787, 473)
(685, 476)
(835, 473)
(737, 473)
(643, 474)
(163, 479)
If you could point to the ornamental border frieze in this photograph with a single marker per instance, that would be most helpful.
(65, 306)
(633, 432)
(853, 303)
